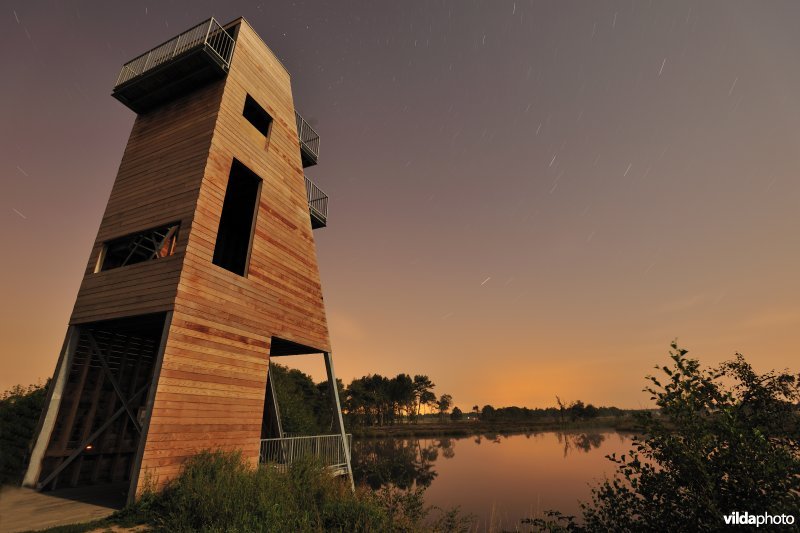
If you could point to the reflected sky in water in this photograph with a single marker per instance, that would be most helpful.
(500, 479)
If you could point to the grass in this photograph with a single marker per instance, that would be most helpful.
(219, 491)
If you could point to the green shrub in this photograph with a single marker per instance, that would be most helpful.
(20, 409)
(725, 440)
(219, 491)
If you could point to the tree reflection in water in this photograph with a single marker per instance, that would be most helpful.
(408, 463)
(402, 463)
(584, 442)
(580, 441)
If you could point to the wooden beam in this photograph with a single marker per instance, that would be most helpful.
(104, 441)
(77, 390)
(112, 380)
(91, 437)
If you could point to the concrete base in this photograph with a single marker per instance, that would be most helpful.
(23, 509)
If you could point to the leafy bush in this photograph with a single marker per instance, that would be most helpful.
(219, 491)
(725, 440)
(20, 408)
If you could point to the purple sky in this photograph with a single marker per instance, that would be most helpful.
(527, 198)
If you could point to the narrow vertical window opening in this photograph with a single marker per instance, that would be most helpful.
(237, 223)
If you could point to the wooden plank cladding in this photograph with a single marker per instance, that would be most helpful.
(158, 183)
(210, 366)
(218, 347)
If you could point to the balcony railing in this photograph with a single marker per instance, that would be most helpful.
(317, 205)
(309, 141)
(327, 449)
(208, 33)
(198, 56)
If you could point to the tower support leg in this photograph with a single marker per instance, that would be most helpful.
(52, 404)
(337, 416)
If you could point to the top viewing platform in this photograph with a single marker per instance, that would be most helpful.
(196, 56)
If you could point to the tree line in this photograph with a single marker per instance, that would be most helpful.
(372, 400)
(563, 412)
(376, 400)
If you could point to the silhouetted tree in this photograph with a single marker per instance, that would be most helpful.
(590, 411)
(377, 400)
(427, 399)
(443, 404)
(576, 410)
(401, 392)
(562, 409)
(423, 392)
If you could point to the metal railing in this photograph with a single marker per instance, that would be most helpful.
(208, 33)
(317, 201)
(327, 449)
(309, 140)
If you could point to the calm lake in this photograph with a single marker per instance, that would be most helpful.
(499, 479)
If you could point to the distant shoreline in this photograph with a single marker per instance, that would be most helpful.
(465, 428)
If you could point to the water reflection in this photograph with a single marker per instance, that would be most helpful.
(403, 463)
(408, 463)
(584, 442)
(499, 478)
(572, 442)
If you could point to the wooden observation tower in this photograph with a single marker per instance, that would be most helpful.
(204, 267)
